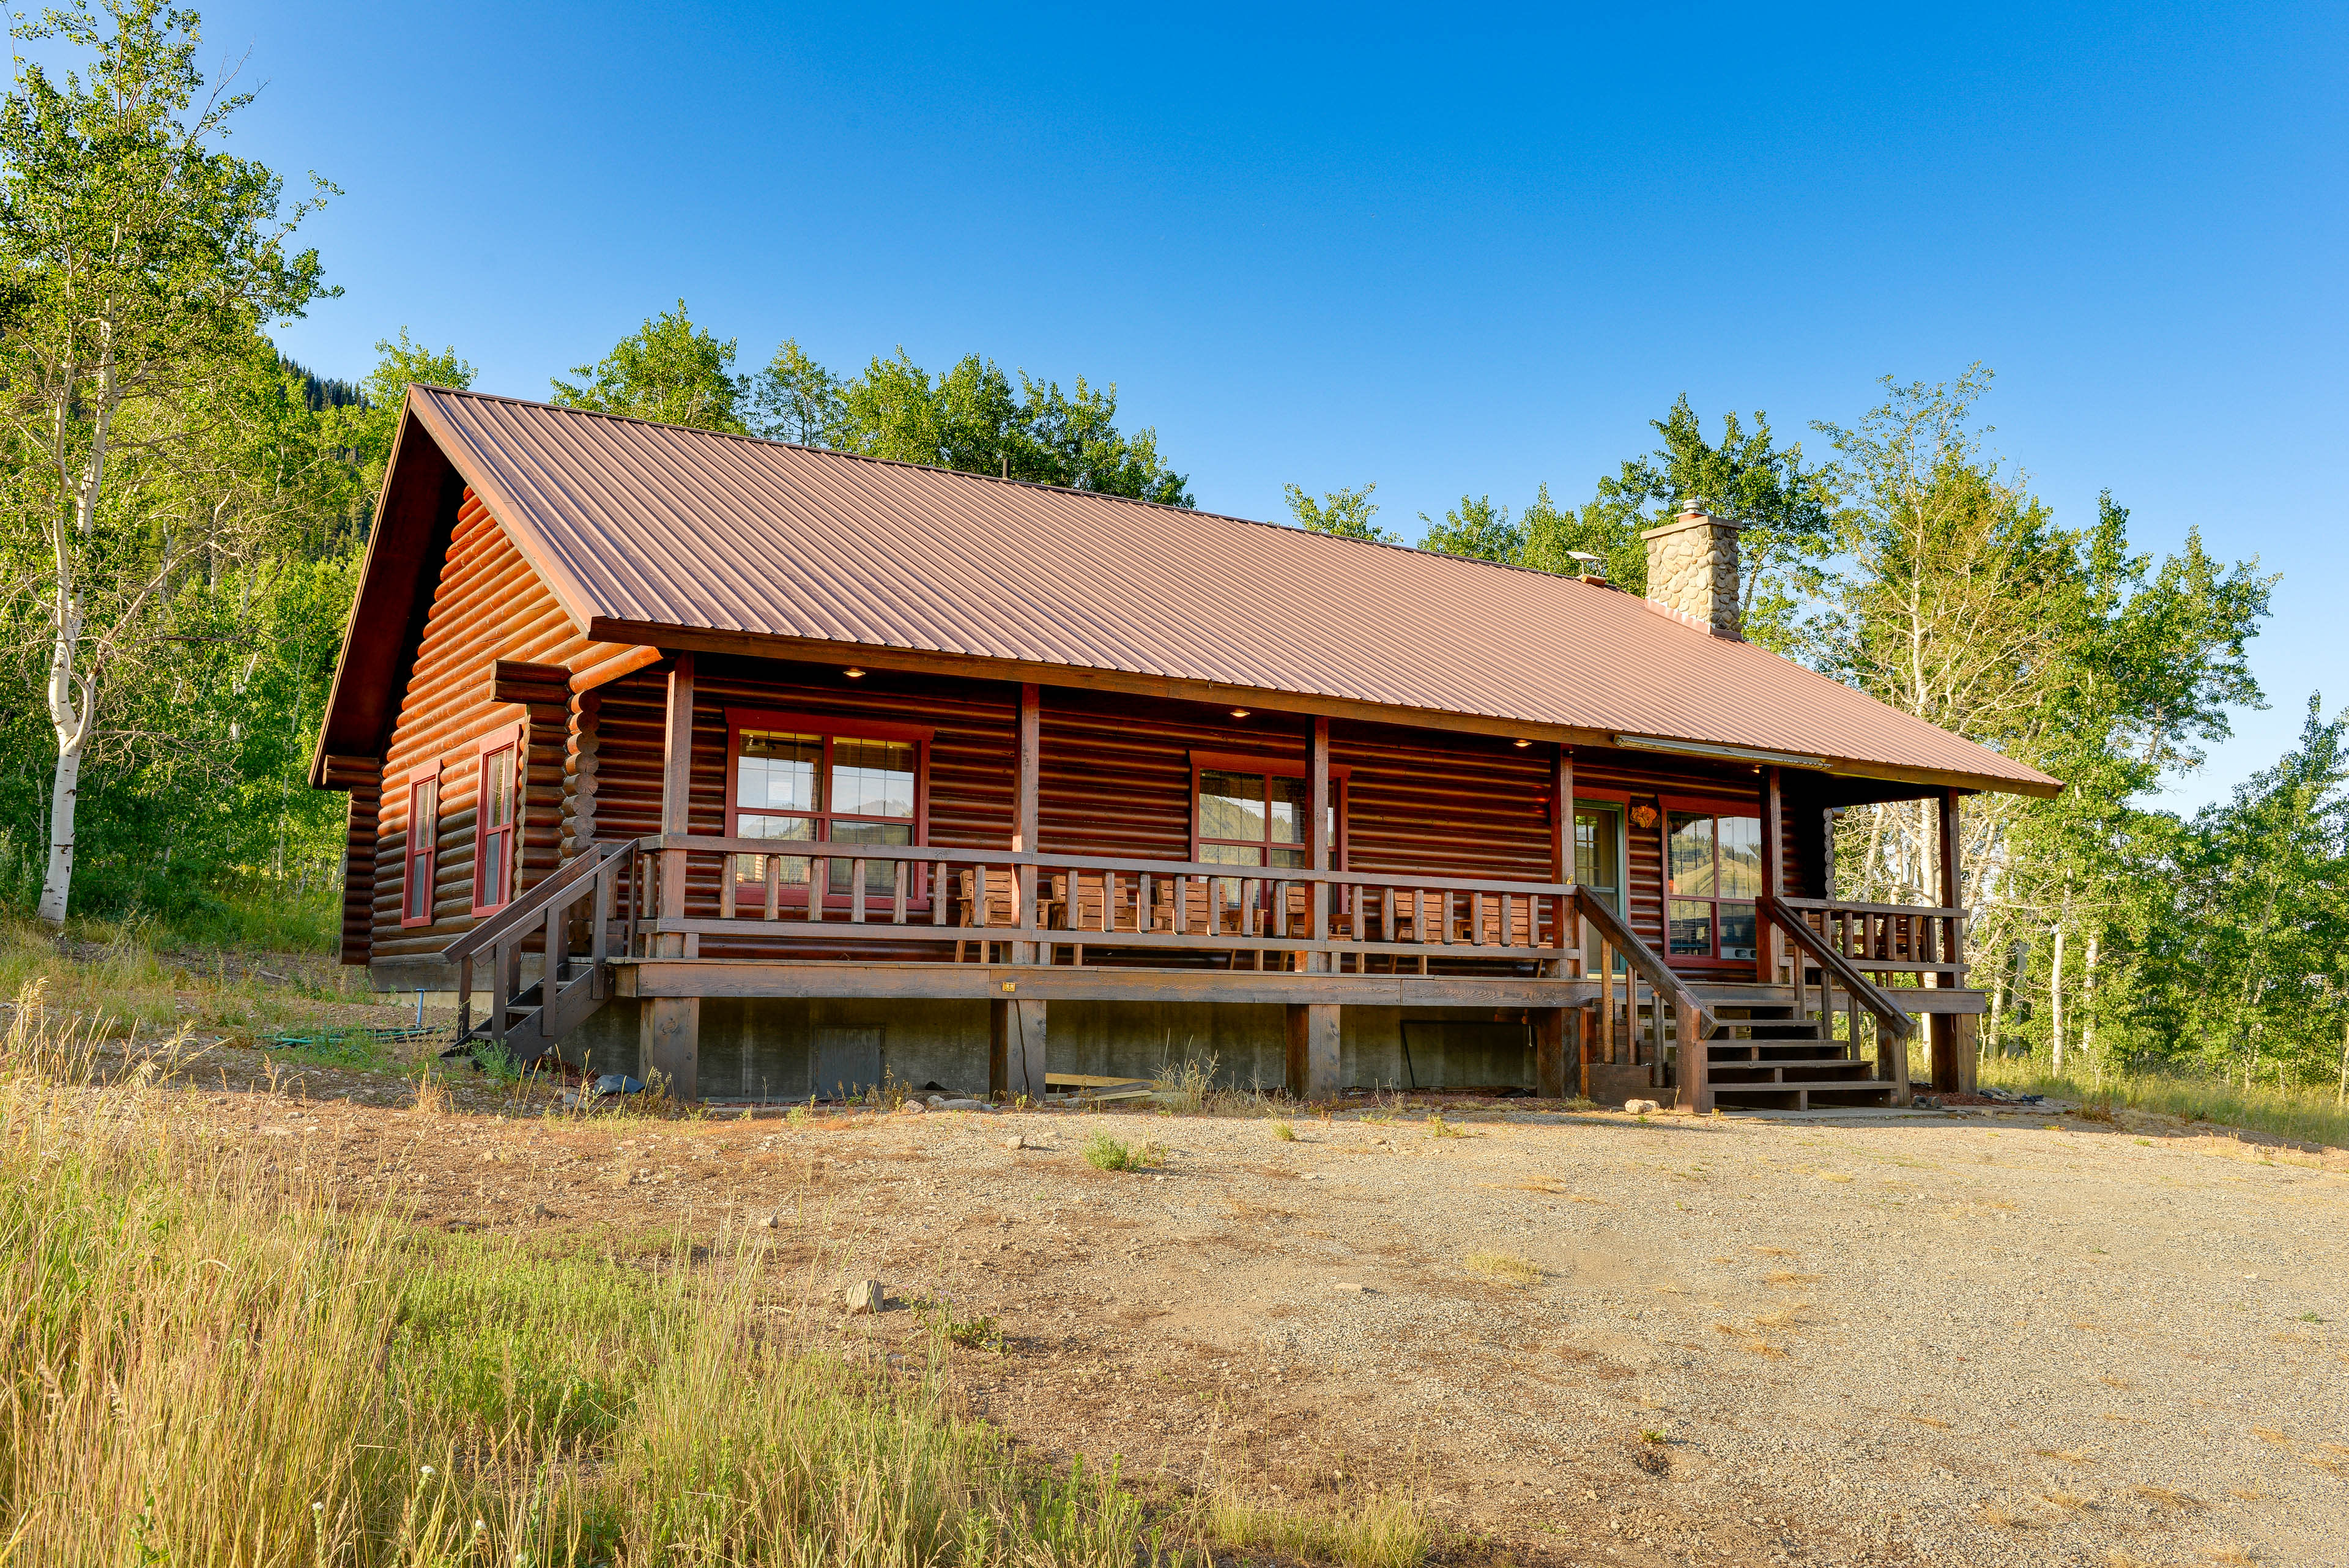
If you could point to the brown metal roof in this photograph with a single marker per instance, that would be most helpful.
(640, 527)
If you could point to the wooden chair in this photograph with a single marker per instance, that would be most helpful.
(965, 905)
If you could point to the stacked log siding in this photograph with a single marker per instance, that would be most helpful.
(488, 605)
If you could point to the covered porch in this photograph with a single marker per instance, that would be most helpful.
(674, 923)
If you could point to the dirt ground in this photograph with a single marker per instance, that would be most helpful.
(1580, 1337)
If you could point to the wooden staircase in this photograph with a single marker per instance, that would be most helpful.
(1776, 1055)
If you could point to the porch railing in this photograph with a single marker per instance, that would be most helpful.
(1044, 904)
(1888, 938)
(1693, 1023)
(547, 911)
(1893, 1027)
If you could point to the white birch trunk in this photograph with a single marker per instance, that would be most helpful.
(2088, 1010)
(72, 690)
(2056, 997)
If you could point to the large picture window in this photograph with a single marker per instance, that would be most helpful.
(494, 817)
(810, 782)
(1712, 869)
(1251, 811)
(421, 856)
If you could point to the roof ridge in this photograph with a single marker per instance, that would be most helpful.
(833, 451)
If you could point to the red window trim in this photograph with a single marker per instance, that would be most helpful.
(508, 736)
(832, 728)
(1709, 805)
(1718, 805)
(428, 850)
(1341, 777)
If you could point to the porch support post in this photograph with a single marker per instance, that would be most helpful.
(1317, 816)
(1561, 860)
(1557, 1050)
(670, 1032)
(1027, 790)
(1015, 1055)
(1953, 1063)
(1766, 933)
(1313, 1050)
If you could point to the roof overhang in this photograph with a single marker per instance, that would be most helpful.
(923, 662)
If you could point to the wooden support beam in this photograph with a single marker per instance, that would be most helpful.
(1767, 945)
(1953, 1063)
(1317, 829)
(1014, 1052)
(1557, 1050)
(1313, 1050)
(669, 1037)
(670, 1027)
(1027, 790)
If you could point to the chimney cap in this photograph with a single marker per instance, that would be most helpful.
(1693, 507)
(1584, 555)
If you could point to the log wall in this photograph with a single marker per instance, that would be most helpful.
(488, 605)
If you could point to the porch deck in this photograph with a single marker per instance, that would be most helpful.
(935, 924)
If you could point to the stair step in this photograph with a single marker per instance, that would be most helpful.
(1722, 1063)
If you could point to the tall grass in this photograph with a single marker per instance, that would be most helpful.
(116, 969)
(2302, 1113)
(205, 1359)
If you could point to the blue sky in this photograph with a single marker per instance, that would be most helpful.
(1445, 251)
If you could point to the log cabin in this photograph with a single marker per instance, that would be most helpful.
(768, 772)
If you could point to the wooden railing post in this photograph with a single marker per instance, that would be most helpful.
(1025, 794)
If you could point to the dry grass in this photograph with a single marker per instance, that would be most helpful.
(2163, 1497)
(1284, 1132)
(2229, 1553)
(2270, 1435)
(1789, 1277)
(2069, 1457)
(228, 1366)
(1833, 1176)
(2309, 1114)
(1384, 1532)
(2071, 1501)
(1927, 1420)
(431, 1093)
(1774, 1252)
(1504, 1268)
(2109, 1381)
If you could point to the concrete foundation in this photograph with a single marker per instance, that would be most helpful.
(774, 1049)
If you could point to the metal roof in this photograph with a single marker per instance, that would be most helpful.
(640, 526)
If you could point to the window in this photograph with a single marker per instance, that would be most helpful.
(493, 820)
(423, 831)
(1250, 811)
(811, 781)
(1713, 873)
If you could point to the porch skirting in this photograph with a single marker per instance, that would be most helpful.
(776, 1048)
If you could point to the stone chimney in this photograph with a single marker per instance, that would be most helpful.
(1692, 568)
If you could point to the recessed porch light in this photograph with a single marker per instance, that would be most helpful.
(853, 674)
(1239, 713)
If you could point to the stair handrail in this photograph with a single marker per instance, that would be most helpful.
(1649, 965)
(529, 908)
(1864, 990)
(546, 905)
